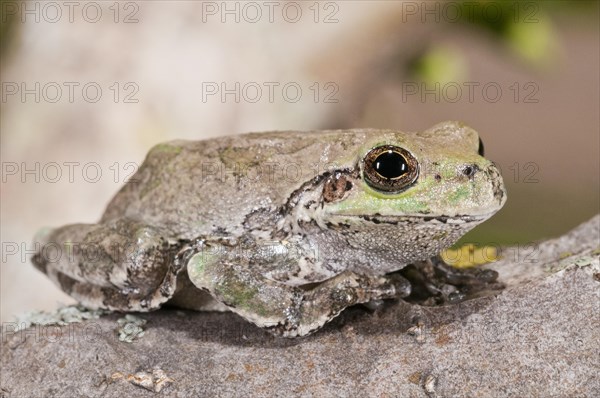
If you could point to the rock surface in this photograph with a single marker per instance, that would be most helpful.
(539, 337)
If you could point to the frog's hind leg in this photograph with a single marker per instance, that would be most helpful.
(121, 265)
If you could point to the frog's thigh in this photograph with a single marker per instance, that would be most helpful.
(286, 310)
(120, 265)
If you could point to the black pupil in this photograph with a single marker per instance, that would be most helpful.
(390, 164)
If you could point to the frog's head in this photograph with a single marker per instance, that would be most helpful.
(439, 173)
(416, 193)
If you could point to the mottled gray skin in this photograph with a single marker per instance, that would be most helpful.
(278, 227)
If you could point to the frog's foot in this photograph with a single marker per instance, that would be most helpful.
(325, 301)
(121, 265)
(285, 310)
(434, 282)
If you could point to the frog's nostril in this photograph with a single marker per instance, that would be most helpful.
(493, 172)
(497, 184)
(470, 170)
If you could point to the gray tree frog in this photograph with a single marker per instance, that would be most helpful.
(285, 229)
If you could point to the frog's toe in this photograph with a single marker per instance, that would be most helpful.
(401, 285)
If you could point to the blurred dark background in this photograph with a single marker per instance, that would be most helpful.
(94, 85)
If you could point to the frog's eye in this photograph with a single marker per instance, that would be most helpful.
(390, 169)
(480, 151)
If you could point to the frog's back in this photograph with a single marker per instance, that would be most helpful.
(194, 188)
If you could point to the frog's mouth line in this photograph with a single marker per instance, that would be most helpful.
(414, 219)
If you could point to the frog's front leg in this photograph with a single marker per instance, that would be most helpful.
(239, 282)
(122, 264)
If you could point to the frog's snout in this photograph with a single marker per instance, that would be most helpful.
(497, 184)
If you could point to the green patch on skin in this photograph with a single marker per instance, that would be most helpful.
(239, 295)
(441, 189)
(414, 200)
(231, 290)
(151, 185)
(232, 157)
(167, 148)
(459, 195)
(371, 202)
(197, 265)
